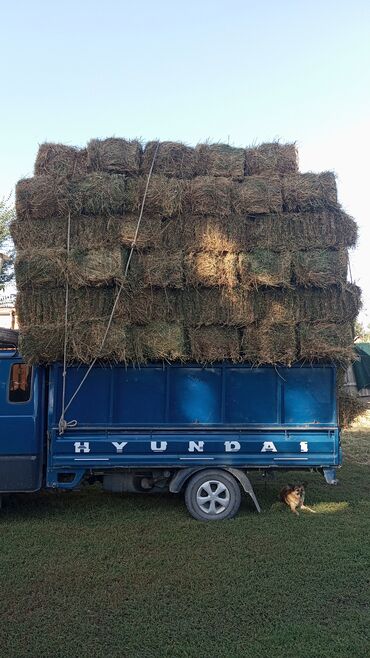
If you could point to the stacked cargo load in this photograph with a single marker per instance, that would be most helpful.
(204, 253)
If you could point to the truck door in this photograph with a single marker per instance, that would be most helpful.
(21, 425)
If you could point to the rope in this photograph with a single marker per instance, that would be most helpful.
(350, 269)
(62, 423)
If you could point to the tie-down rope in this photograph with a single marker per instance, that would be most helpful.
(63, 424)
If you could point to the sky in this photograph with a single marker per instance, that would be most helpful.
(238, 71)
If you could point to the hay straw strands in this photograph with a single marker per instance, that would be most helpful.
(209, 269)
(310, 192)
(159, 341)
(114, 155)
(46, 306)
(61, 160)
(213, 343)
(215, 234)
(320, 341)
(217, 306)
(95, 267)
(271, 158)
(42, 267)
(209, 195)
(165, 196)
(350, 407)
(156, 231)
(308, 230)
(320, 267)
(158, 268)
(263, 267)
(138, 306)
(41, 197)
(269, 342)
(257, 195)
(220, 160)
(173, 159)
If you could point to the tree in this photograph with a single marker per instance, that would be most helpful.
(362, 332)
(7, 214)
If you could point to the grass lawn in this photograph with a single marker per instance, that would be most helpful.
(91, 574)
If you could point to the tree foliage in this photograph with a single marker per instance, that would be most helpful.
(7, 214)
(362, 332)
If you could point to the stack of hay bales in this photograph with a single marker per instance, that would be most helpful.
(238, 256)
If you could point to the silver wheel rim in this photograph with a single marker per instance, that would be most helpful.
(213, 497)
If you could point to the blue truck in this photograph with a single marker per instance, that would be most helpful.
(178, 427)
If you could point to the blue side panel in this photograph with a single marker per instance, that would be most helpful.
(176, 415)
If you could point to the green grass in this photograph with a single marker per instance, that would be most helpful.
(90, 574)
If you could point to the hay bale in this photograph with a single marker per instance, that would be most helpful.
(209, 195)
(308, 230)
(47, 306)
(60, 160)
(114, 155)
(41, 197)
(326, 341)
(85, 232)
(159, 341)
(213, 343)
(320, 267)
(100, 194)
(214, 234)
(263, 267)
(209, 269)
(217, 306)
(95, 267)
(257, 195)
(173, 159)
(350, 407)
(219, 160)
(165, 196)
(85, 342)
(272, 158)
(276, 305)
(42, 267)
(42, 344)
(154, 231)
(269, 343)
(144, 306)
(158, 268)
(310, 192)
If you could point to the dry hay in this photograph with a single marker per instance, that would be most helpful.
(350, 407)
(326, 341)
(42, 267)
(172, 159)
(158, 341)
(220, 160)
(85, 342)
(100, 194)
(269, 342)
(210, 269)
(271, 158)
(257, 195)
(306, 230)
(60, 160)
(214, 234)
(165, 196)
(45, 306)
(320, 267)
(209, 195)
(335, 304)
(114, 155)
(263, 267)
(213, 343)
(42, 344)
(143, 306)
(41, 197)
(95, 267)
(154, 231)
(214, 306)
(158, 268)
(310, 192)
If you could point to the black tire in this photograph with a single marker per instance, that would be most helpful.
(223, 491)
(9, 337)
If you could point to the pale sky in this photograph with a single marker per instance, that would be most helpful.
(228, 70)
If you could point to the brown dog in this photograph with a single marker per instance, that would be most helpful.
(293, 496)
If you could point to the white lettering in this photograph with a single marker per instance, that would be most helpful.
(196, 445)
(232, 446)
(82, 447)
(158, 446)
(268, 446)
(304, 446)
(119, 446)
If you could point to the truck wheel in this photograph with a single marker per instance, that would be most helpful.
(212, 495)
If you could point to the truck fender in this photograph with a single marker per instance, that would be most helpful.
(184, 474)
